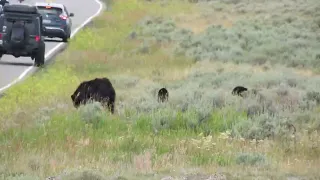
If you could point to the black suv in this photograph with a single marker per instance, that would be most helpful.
(4, 2)
(21, 33)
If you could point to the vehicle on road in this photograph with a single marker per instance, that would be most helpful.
(56, 20)
(21, 33)
(1, 9)
(4, 2)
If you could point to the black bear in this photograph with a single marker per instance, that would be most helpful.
(163, 95)
(98, 89)
(238, 90)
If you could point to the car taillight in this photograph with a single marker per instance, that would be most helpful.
(37, 38)
(63, 17)
(0, 35)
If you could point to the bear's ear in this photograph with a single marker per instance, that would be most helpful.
(72, 97)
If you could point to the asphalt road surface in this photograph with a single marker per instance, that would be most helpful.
(13, 69)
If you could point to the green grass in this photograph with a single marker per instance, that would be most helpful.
(202, 126)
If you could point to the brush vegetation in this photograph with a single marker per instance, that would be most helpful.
(199, 51)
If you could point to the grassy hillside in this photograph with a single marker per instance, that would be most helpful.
(199, 51)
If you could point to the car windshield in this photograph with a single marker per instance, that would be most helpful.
(49, 10)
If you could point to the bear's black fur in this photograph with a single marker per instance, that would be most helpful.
(163, 95)
(238, 90)
(98, 89)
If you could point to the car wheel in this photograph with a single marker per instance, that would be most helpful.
(40, 56)
(66, 38)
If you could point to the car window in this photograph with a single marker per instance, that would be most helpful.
(65, 9)
(49, 10)
(30, 25)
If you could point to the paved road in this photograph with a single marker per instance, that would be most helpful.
(12, 68)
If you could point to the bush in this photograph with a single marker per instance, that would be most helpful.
(83, 175)
(206, 96)
(92, 112)
(246, 43)
(264, 126)
(256, 41)
(20, 177)
(252, 159)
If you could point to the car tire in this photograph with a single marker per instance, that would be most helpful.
(1, 53)
(40, 56)
(66, 38)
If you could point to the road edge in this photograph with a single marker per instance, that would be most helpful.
(55, 50)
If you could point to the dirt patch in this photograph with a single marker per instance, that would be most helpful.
(209, 66)
(200, 22)
(305, 72)
(81, 56)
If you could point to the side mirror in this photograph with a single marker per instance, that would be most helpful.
(71, 14)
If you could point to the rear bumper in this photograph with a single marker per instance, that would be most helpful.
(55, 32)
(28, 51)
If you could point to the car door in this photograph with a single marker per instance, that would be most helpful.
(3, 28)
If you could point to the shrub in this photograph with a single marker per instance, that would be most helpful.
(83, 175)
(262, 127)
(252, 159)
(21, 177)
(255, 41)
(91, 112)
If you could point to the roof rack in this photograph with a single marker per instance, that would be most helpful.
(20, 8)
